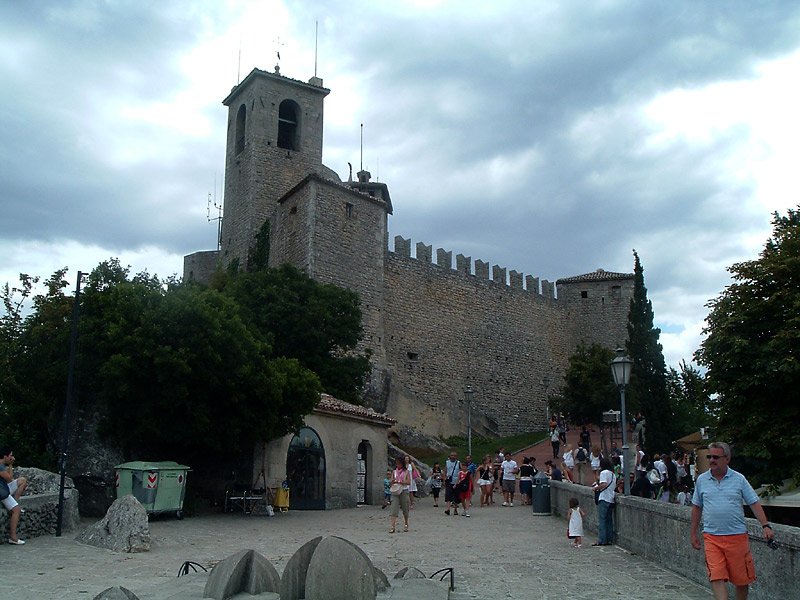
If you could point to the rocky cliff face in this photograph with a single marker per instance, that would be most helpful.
(90, 463)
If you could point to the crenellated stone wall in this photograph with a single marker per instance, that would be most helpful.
(447, 329)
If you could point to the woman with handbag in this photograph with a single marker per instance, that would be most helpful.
(401, 480)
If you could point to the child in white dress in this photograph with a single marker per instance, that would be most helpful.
(575, 527)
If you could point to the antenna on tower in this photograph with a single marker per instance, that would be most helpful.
(238, 67)
(316, 45)
(218, 208)
(362, 148)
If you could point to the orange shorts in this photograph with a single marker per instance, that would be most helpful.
(728, 558)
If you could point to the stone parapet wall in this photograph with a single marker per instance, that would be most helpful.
(660, 533)
(41, 515)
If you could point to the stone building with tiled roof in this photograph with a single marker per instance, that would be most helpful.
(337, 459)
(434, 325)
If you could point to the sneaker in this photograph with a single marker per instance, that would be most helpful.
(578, 546)
(511, 504)
(17, 542)
(447, 512)
(505, 503)
(466, 514)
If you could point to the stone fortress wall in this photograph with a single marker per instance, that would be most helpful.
(432, 329)
(448, 328)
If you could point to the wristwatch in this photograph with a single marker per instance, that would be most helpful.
(765, 525)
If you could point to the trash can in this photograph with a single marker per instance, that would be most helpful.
(540, 494)
(159, 486)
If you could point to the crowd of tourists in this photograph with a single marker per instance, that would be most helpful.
(666, 477)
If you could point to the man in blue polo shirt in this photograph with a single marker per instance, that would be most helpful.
(719, 495)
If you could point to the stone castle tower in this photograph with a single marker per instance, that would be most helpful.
(433, 329)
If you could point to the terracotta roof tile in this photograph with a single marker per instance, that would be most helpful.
(599, 275)
(330, 405)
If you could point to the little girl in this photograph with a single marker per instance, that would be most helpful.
(575, 527)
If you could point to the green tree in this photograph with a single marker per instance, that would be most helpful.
(648, 386)
(317, 324)
(174, 370)
(692, 407)
(34, 357)
(588, 387)
(752, 353)
(190, 379)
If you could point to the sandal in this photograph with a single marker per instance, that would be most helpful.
(392, 529)
(405, 528)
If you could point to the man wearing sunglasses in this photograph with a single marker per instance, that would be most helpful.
(719, 496)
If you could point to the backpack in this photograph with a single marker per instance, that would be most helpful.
(580, 456)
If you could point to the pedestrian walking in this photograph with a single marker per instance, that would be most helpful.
(401, 481)
(575, 527)
(510, 470)
(486, 480)
(452, 466)
(436, 483)
(555, 440)
(719, 495)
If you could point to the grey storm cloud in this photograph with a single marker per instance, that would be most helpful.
(507, 131)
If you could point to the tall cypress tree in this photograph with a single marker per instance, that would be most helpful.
(648, 387)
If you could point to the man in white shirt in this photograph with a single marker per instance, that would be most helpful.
(509, 483)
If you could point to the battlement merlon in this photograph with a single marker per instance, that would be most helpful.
(402, 246)
(424, 252)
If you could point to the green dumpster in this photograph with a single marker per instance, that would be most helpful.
(159, 486)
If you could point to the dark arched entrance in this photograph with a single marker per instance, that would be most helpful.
(305, 468)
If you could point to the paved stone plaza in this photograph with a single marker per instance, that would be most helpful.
(497, 553)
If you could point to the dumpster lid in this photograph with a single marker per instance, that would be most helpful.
(144, 465)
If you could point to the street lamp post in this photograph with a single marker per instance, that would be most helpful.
(546, 386)
(621, 369)
(468, 399)
(65, 422)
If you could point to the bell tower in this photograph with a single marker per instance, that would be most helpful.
(274, 141)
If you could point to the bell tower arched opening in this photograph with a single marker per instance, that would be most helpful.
(241, 121)
(289, 125)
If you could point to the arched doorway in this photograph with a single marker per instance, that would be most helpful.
(305, 468)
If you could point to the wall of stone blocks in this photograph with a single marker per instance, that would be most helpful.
(602, 316)
(200, 266)
(338, 236)
(41, 515)
(445, 329)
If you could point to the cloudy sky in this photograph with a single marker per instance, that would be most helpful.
(547, 137)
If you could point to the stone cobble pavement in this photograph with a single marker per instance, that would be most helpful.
(499, 552)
